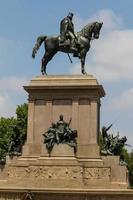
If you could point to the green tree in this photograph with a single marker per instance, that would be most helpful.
(130, 166)
(22, 115)
(6, 131)
(7, 128)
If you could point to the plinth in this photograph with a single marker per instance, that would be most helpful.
(83, 174)
(76, 98)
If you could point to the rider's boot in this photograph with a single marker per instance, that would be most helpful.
(73, 45)
(75, 54)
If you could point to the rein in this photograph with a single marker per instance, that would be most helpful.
(87, 30)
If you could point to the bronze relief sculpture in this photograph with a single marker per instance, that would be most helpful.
(60, 133)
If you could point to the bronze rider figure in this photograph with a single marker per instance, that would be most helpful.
(67, 32)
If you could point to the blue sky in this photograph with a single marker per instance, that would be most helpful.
(109, 59)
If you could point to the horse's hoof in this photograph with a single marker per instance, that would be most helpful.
(84, 73)
(44, 73)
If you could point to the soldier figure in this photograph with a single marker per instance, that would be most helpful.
(106, 140)
(61, 128)
(58, 133)
(50, 137)
(67, 32)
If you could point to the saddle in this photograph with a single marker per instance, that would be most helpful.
(64, 43)
(74, 46)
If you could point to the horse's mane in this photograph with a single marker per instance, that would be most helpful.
(86, 29)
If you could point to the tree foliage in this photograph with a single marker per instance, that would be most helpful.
(129, 159)
(6, 131)
(22, 115)
(7, 128)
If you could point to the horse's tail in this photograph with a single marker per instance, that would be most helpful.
(39, 41)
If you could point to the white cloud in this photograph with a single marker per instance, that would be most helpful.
(122, 102)
(11, 93)
(108, 17)
(7, 108)
(110, 57)
(12, 83)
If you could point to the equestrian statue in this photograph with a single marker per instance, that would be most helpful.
(68, 42)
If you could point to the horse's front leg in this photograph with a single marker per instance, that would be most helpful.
(46, 58)
(83, 56)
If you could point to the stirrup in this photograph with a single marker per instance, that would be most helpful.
(76, 54)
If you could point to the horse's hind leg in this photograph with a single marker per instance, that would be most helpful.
(46, 58)
(39, 41)
(83, 56)
(44, 63)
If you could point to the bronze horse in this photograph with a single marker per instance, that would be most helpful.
(52, 45)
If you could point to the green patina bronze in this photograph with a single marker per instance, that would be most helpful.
(111, 145)
(60, 133)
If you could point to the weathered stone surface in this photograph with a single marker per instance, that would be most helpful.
(73, 96)
(40, 194)
(64, 174)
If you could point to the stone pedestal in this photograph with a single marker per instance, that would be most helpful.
(66, 174)
(77, 97)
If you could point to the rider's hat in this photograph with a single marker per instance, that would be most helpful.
(70, 14)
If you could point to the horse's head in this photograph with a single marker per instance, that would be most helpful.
(91, 30)
(96, 30)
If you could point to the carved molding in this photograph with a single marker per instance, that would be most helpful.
(97, 173)
(59, 172)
